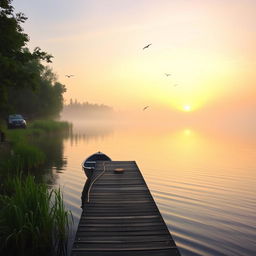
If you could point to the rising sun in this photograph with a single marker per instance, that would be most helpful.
(187, 108)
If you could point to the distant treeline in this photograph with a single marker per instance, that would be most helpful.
(26, 85)
(76, 109)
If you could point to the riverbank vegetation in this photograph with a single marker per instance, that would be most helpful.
(24, 150)
(50, 125)
(33, 219)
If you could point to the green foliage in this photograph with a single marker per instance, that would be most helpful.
(15, 59)
(33, 220)
(45, 101)
(24, 156)
(12, 36)
(30, 156)
(27, 150)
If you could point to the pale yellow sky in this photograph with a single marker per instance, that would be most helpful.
(208, 47)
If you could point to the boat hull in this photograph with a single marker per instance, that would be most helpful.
(90, 163)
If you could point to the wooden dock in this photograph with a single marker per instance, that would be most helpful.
(121, 217)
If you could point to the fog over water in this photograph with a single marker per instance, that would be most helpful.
(201, 175)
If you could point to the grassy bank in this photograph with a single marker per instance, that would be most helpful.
(50, 126)
(23, 152)
(33, 219)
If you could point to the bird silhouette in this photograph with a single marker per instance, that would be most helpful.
(68, 76)
(145, 108)
(145, 47)
(167, 74)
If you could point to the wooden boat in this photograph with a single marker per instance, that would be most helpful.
(90, 162)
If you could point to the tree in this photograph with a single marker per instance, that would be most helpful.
(14, 56)
(46, 100)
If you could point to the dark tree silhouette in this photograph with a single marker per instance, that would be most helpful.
(15, 58)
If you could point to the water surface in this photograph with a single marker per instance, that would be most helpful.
(203, 181)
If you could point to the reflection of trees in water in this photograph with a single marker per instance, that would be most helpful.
(52, 146)
(90, 132)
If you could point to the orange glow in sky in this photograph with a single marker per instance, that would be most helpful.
(207, 47)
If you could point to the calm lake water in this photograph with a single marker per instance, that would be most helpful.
(203, 181)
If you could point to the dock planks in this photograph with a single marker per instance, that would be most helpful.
(121, 217)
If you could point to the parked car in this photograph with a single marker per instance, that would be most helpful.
(16, 121)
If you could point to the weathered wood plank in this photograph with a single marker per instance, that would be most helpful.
(167, 252)
(122, 239)
(121, 217)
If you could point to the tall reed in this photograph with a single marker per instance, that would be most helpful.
(33, 220)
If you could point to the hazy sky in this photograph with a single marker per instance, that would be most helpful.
(208, 47)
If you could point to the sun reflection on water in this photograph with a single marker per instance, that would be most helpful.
(197, 177)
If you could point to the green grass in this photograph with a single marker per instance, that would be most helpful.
(33, 220)
(26, 154)
(50, 125)
(23, 155)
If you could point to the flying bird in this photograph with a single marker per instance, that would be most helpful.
(68, 76)
(145, 108)
(146, 46)
(167, 74)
